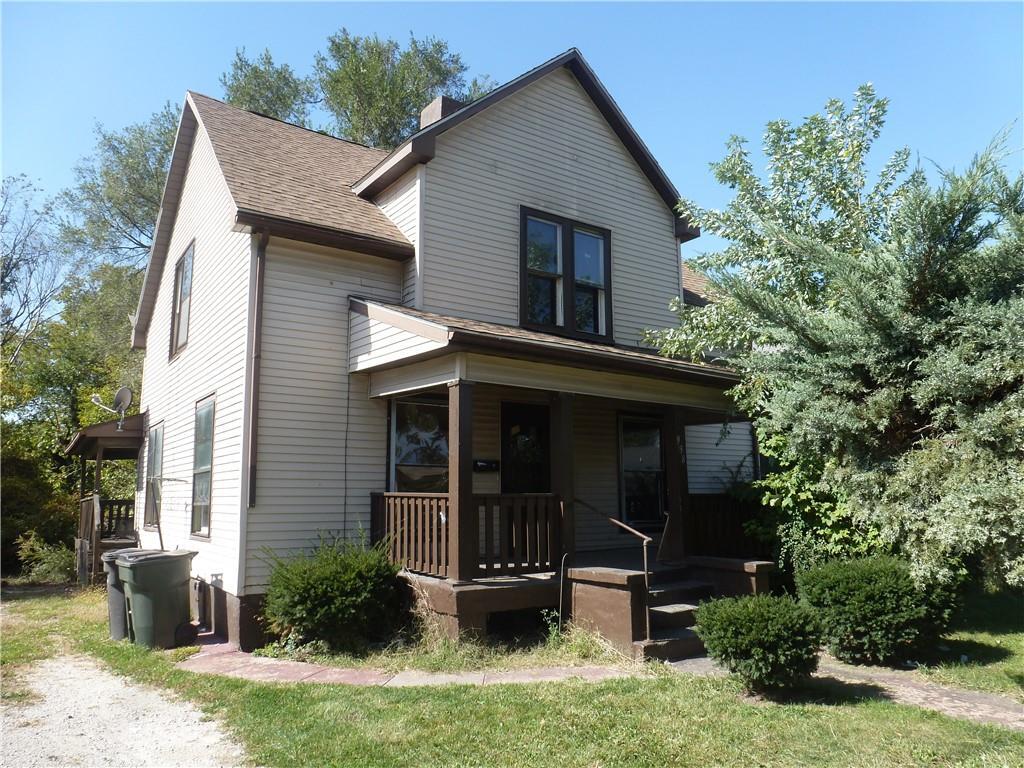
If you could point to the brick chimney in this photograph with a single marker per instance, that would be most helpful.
(439, 108)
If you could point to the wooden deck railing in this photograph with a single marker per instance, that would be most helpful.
(415, 525)
(117, 518)
(715, 526)
(519, 533)
(87, 511)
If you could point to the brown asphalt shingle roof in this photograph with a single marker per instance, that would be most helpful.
(695, 285)
(286, 172)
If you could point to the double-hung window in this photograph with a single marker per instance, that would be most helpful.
(202, 467)
(566, 270)
(154, 472)
(182, 300)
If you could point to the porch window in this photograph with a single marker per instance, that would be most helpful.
(643, 471)
(182, 300)
(154, 472)
(202, 468)
(420, 440)
(525, 448)
(566, 270)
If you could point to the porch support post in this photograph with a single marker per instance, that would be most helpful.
(673, 544)
(463, 522)
(99, 468)
(563, 466)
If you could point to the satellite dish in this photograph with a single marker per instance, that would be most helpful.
(122, 400)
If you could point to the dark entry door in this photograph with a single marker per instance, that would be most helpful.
(525, 448)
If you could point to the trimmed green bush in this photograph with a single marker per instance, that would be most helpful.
(345, 595)
(769, 641)
(870, 609)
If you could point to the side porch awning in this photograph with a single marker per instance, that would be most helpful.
(123, 443)
(404, 350)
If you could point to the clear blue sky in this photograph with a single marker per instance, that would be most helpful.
(687, 75)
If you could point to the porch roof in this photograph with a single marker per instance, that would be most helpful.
(117, 444)
(427, 334)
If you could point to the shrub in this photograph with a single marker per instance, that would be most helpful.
(43, 563)
(870, 609)
(346, 595)
(769, 641)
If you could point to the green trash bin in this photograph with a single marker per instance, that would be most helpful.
(156, 596)
(117, 618)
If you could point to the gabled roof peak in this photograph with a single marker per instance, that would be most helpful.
(419, 148)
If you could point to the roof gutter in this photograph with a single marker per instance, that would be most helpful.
(334, 238)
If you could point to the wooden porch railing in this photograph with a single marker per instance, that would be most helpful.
(519, 533)
(107, 518)
(715, 526)
(415, 525)
(117, 518)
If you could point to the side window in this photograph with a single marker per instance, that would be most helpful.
(202, 467)
(182, 300)
(154, 474)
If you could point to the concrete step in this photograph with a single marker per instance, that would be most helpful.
(666, 575)
(669, 645)
(672, 615)
(684, 591)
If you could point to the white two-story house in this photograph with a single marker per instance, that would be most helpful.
(441, 345)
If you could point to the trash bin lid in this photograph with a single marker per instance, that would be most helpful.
(137, 557)
(112, 555)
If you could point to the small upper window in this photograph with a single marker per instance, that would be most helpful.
(566, 269)
(182, 300)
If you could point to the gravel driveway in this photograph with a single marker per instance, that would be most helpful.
(86, 716)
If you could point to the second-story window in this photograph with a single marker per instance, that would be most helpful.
(182, 300)
(566, 269)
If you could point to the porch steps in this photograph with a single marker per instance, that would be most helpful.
(682, 591)
(669, 644)
(672, 615)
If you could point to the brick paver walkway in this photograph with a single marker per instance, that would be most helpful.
(905, 687)
(223, 659)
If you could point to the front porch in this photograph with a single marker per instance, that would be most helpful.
(521, 466)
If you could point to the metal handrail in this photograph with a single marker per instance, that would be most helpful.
(645, 540)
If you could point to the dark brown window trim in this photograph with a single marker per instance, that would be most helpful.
(175, 351)
(566, 229)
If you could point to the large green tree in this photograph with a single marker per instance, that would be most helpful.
(260, 85)
(110, 211)
(877, 330)
(375, 89)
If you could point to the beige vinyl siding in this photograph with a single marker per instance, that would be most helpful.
(322, 442)
(213, 362)
(545, 147)
(401, 202)
(714, 462)
(374, 342)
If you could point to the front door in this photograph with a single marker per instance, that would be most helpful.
(525, 448)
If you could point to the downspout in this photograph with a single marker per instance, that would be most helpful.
(255, 352)
(252, 404)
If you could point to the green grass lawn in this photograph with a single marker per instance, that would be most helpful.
(989, 631)
(660, 720)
